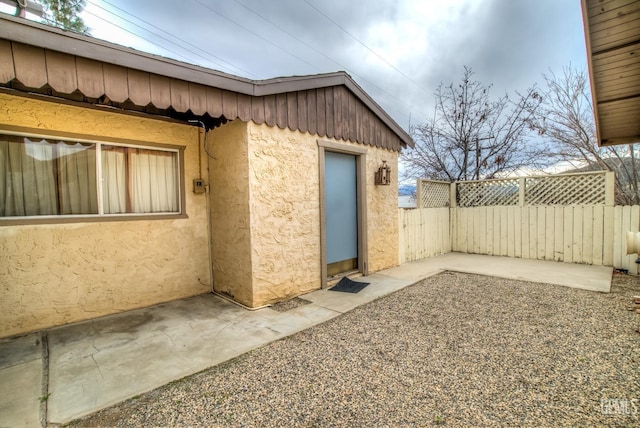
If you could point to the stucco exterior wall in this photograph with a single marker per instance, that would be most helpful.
(230, 221)
(382, 212)
(61, 273)
(285, 212)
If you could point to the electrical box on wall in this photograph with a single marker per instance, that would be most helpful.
(198, 185)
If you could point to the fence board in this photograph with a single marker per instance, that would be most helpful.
(549, 241)
(573, 234)
(634, 227)
(464, 230)
(402, 231)
(608, 232)
(587, 235)
(540, 232)
(558, 233)
(511, 234)
(444, 219)
(517, 222)
(533, 232)
(497, 250)
(421, 233)
(482, 223)
(598, 234)
(524, 225)
(617, 221)
(568, 234)
(577, 235)
(626, 226)
(476, 230)
(503, 230)
(491, 213)
(454, 228)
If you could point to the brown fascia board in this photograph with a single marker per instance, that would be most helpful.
(594, 96)
(44, 36)
(302, 83)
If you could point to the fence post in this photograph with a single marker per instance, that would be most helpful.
(609, 188)
(452, 194)
(418, 193)
(522, 185)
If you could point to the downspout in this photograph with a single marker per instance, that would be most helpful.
(209, 227)
(208, 198)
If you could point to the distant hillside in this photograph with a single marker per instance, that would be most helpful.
(406, 190)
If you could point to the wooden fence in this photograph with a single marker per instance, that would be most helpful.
(590, 234)
(424, 232)
(566, 218)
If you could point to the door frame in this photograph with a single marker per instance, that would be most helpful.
(361, 203)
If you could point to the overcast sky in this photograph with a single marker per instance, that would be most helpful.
(399, 51)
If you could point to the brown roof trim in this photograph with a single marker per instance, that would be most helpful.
(612, 39)
(54, 39)
(47, 37)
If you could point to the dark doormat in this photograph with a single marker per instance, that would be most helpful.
(348, 286)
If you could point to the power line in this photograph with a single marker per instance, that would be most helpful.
(298, 39)
(257, 35)
(151, 32)
(139, 36)
(389, 107)
(365, 46)
(172, 35)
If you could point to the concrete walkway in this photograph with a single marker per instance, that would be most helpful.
(87, 366)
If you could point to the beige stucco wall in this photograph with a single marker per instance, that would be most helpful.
(285, 212)
(230, 224)
(56, 274)
(382, 212)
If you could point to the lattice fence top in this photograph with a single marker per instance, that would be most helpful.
(434, 194)
(591, 188)
(488, 192)
(582, 189)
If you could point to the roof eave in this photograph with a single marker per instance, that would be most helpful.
(47, 37)
(21, 30)
(594, 98)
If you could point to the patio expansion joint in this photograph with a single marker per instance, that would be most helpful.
(336, 311)
(44, 340)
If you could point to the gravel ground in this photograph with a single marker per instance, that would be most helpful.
(452, 350)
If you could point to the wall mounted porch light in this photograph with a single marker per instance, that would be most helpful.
(383, 174)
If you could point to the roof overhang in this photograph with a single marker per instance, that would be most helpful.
(51, 38)
(612, 35)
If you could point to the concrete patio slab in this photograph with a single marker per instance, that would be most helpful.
(379, 285)
(21, 374)
(585, 277)
(101, 362)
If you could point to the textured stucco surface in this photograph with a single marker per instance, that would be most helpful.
(56, 274)
(230, 224)
(285, 212)
(382, 212)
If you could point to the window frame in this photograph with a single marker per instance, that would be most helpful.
(100, 216)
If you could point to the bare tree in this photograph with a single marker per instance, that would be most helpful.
(472, 136)
(566, 120)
